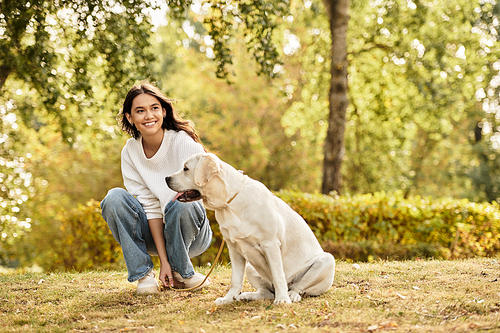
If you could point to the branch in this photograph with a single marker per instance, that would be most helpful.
(369, 47)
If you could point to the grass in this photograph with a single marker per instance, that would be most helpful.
(382, 296)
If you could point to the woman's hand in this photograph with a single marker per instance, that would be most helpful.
(166, 275)
(156, 226)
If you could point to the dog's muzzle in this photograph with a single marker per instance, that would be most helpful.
(183, 196)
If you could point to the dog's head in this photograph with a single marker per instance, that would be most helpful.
(200, 178)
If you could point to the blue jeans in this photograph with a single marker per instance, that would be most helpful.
(187, 233)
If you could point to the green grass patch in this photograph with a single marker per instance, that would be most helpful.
(416, 296)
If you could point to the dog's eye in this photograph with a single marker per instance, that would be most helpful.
(186, 169)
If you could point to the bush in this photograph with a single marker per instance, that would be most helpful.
(81, 241)
(359, 227)
(458, 227)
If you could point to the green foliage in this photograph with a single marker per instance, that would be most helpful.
(422, 76)
(463, 228)
(419, 102)
(242, 117)
(63, 67)
(63, 50)
(485, 175)
(485, 131)
(78, 239)
(16, 185)
(64, 177)
(257, 19)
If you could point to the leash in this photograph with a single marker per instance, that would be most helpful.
(206, 277)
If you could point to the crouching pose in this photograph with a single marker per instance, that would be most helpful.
(143, 218)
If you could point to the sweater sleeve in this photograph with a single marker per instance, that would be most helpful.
(135, 185)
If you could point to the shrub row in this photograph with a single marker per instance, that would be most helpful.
(457, 228)
(359, 227)
(81, 240)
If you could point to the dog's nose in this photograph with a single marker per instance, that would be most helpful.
(167, 179)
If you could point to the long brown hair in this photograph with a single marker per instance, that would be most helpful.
(171, 121)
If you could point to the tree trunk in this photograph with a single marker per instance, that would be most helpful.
(338, 13)
(4, 73)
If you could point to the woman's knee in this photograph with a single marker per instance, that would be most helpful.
(119, 207)
(114, 197)
(185, 212)
(177, 208)
(118, 204)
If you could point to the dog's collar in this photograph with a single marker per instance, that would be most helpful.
(234, 196)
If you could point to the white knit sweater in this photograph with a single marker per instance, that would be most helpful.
(145, 177)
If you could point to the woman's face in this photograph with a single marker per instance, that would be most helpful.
(146, 114)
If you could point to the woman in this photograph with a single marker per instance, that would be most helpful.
(143, 218)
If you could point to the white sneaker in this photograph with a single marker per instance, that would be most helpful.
(193, 281)
(148, 284)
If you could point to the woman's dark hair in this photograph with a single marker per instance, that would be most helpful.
(171, 121)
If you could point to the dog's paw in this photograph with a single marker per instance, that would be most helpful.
(253, 296)
(223, 300)
(250, 296)
(294, 297)
(247, 297)
(284, 300)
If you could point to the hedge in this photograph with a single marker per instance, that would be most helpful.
(358, 227)
(80, 240)
(456, 228)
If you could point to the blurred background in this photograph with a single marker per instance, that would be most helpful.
(422, 117)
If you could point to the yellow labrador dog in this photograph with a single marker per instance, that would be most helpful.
(283, 258)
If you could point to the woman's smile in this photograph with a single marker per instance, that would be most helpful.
(150, 124)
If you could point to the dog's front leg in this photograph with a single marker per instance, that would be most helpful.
(238, 264)
(272, 252)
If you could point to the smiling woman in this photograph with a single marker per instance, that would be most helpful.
(171, 120)
(144, 219)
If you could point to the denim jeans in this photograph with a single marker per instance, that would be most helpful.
(187, 233)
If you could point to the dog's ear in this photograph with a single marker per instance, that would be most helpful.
(207, 167)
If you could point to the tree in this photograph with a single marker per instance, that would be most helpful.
(338, 14)
(235, 118)
(58, 47)
(418, 75)
(16, 185)
(258, 20)
(422, 75)
(61, 64)
(486, 127)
